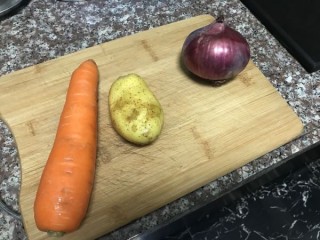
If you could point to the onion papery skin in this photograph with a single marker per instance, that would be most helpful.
(215, 52)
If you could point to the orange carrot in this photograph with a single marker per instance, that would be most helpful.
(66, 183)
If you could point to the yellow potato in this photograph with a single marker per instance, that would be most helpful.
(136, 114)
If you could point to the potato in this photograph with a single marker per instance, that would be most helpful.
(135, 112)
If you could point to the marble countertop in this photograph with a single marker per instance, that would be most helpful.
(41, 30)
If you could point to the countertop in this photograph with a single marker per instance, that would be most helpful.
(41, 30)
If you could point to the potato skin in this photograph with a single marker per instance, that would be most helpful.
(135, 112)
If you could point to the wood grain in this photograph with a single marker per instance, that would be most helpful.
(209, 131)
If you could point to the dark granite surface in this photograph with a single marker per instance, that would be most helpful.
(43, 30)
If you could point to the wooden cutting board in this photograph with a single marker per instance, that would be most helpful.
(208, 132)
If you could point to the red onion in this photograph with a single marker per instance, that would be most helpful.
(215, 52)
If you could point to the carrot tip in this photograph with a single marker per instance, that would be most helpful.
(55, 234)
(92, 61)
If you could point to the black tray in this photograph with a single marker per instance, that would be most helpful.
(295, 24)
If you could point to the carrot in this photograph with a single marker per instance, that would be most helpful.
(66, 183)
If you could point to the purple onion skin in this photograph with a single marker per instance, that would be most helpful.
(215, 52)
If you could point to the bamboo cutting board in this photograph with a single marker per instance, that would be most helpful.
(208, 132)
